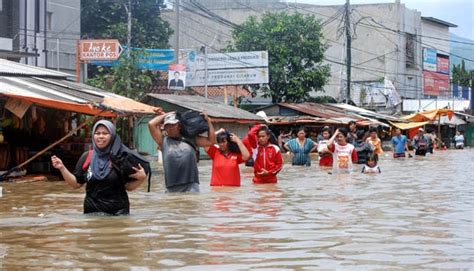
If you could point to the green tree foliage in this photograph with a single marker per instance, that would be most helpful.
(107, 19)
(296, 50)
(461, 76)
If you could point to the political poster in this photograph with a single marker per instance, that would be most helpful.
(177, 76)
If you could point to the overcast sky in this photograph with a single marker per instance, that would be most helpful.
(459, 12)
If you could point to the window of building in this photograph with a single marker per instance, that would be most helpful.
(49, 20)
(410, 46)
(1, 5)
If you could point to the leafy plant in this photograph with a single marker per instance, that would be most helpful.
(296, 50)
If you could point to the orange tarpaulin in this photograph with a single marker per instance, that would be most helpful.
(121, 105)
(429, 115)
(67, 106)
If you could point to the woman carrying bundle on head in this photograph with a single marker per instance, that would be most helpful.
(226, 157)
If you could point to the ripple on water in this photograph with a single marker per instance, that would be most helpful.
(417, 214)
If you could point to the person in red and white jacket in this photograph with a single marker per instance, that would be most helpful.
(266, 156)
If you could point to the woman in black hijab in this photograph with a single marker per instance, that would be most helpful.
(106, 189)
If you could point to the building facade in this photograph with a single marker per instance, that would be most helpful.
(40, 32)
(388, 39)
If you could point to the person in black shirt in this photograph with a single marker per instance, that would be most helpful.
(106, 189)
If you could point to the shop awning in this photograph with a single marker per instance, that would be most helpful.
(61, 105)
(429, 115)
(408, 125)
(66, 95)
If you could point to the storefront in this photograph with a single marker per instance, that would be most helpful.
(43, 109)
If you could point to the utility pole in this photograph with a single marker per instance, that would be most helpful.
(348, 50)
(129, 27)
(45, 38)
(176, 50)
(206, 72)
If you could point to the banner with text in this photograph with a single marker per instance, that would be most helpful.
(435, 84)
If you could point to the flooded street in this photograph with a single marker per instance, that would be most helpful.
(417, 214)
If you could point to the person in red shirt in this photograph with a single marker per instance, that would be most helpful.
(267, 157)
(226, 157)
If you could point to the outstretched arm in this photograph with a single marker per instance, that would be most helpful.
(68, 177)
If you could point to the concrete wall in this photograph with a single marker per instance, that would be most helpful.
(431, 29)
(377, 52)
(63, 25)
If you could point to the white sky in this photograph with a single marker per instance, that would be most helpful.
(459, 12)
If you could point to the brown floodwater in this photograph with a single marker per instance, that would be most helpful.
(417, 214)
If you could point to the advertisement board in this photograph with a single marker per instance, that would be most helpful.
(237, 68)
(236, 60)
(229, 77)
(429, 59)
(177, 76)
(443, 64)
(435, 84)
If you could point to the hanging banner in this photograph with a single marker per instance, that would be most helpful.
(177, 76)
(443, 64)
(429, 59)
(435, 84)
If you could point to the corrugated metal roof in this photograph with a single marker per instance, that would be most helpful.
(11, 68)
(364, 112)
(211, 107)
(317, 110)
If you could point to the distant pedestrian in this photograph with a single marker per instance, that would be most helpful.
(352, 133)
(301, 147)
(459, 140)
(371, 165)
(325, 155)
(344, 153)
(374, 141)
(400, 144)
(420, 143)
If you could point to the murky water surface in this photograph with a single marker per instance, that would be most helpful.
(417, 214)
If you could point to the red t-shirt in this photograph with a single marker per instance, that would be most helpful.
(225, 169)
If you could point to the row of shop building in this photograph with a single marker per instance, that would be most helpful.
(43, 109)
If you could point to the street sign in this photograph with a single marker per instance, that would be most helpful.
(99, 50)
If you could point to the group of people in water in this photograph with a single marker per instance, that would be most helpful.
(106, 188)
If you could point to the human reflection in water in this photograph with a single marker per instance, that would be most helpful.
(246, 216)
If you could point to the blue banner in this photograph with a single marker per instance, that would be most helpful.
(150, 59)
